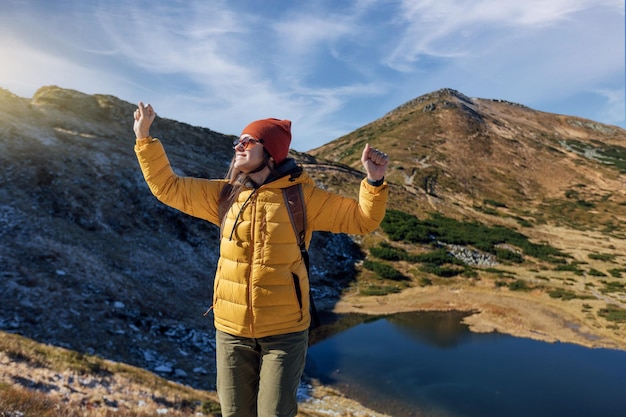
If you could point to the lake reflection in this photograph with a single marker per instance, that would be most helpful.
(429, 364)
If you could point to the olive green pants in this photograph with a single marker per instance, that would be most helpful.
(260, 377)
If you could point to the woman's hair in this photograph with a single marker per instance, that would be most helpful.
(238, 179)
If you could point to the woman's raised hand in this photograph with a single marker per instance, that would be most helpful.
(375, 163)
(144, 116)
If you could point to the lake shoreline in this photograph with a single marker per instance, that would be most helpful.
(531, 314)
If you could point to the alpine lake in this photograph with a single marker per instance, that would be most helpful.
(431, 364)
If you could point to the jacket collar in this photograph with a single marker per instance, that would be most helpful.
(289, 167)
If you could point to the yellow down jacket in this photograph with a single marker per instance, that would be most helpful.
(261, 285)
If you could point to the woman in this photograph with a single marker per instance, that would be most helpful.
(261, 288)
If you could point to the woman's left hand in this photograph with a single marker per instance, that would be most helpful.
(375, 163)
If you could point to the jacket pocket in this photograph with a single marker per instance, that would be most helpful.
(216, 286)
(296, 285)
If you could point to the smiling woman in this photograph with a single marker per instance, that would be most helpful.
(261, 292)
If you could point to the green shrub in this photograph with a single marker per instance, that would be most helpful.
(388, 252)
(508, 255)
(436, 257)
(596, 273)
(585, 204)
(441, 271)
(487, 210)
(384, 270)
(425, 282)
(519, 285)
(500, 272)
(562, 294)
(493, 203)
(436, 262)
(616, 272)
(401, 226)
(613, 287)
(523, 222)
(379, 290)
(613, 313)
(470, 273)
(606, 257)
(571, 268)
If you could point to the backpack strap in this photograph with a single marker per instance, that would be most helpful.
(297, 211)
(294, 200)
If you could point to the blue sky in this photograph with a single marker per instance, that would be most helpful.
(331, 66)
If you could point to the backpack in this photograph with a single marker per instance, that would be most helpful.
(294, 200)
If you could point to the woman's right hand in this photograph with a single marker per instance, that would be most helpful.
(144, 116)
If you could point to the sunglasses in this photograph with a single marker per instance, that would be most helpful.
(244, 143)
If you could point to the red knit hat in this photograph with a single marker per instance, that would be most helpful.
(276, 136)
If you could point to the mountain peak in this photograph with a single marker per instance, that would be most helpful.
(97, 106)
(445, 97)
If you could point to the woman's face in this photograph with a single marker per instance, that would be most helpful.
(248, 153)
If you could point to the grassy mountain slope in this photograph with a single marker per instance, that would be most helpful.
(452, 152)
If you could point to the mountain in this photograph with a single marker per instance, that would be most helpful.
(451, 153)
(90, 261)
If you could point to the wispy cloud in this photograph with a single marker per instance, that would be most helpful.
(451, 28)
(531, 52)
(329, 66)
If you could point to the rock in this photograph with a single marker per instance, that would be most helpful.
(200, 370)
(165, 369)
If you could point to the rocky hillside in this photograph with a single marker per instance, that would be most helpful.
(90, 261)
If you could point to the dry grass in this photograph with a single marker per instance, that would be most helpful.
(41, 380)
(16, 401)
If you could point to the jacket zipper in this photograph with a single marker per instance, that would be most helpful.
(251, 262)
